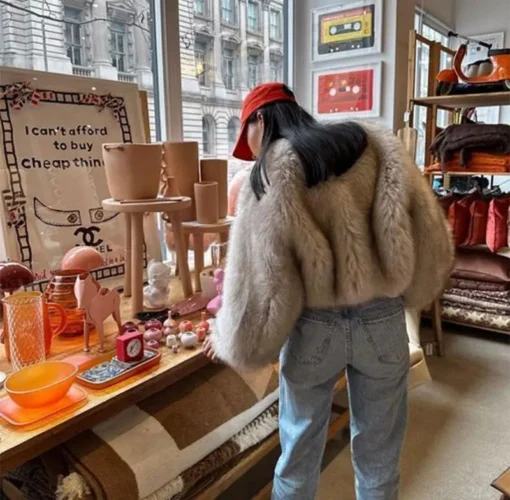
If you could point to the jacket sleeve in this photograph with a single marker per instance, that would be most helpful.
(433, 246)
(263, 293)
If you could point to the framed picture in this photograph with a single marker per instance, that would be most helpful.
(347, 30)
(347, 92)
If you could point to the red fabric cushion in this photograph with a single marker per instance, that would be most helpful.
(497, 230)
(446, 201)
(458, 216)
(478, 213)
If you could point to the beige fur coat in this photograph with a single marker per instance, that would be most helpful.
(376, 231)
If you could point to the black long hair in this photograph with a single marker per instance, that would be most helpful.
(324, 149)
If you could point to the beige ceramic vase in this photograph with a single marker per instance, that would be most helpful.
(206, 198)
(133, 171)
(217, 171)
(171, 190)
(181, 162)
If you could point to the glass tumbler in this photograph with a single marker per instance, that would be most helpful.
(23, 316)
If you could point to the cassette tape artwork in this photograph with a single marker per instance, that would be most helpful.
(348, 92)
(348, 30)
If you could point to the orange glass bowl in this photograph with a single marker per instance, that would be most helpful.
(42, 384)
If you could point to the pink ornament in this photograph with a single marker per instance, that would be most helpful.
(153, 344)
(215, 304)
(204, 324)
(175, 349)
(185, 326)
(153, 334)
(82, 257)
(170, 324)
(153, 323)
(201, 333)
(129, 325)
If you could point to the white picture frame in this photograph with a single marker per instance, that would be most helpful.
(347, 48)
(329, 110)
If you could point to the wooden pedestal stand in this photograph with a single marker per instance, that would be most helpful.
(133, 243)
(222, 227)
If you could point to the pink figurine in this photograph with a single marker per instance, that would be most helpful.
(98, 304)
(215, 304)
(170, 325)
(204, 323)
(153, 323)
(201, 333)
(185, 326)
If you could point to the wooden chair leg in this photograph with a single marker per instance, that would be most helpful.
(437, 327)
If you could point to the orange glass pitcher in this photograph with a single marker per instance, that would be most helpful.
(49, 330)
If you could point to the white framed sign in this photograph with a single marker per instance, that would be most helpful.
(52, 178)
(349, 29)
(347, 92)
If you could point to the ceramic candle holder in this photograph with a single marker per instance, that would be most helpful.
(206, 199)
(133, 171)
(217, 171)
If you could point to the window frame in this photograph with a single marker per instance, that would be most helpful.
(232, 133)
(205, 4)
(258, 23)
(279, 35)
(73, 23)
(233, 10)
(114, 52)
(202, 78)
(253, 83)
(209, 129)
(226, 59)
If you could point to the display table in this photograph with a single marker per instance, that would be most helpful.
(133, 243)
(17, 445)
(198, 230)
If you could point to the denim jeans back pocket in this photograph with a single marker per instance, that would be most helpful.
(388, 336)
(310, 341)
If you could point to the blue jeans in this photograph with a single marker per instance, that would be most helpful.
(370, 341)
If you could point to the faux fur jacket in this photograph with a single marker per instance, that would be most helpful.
(375, 231)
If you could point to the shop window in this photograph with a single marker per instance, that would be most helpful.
(233, 131)
(253, 15)
(73, 35)
(275, 18)
(118, 45)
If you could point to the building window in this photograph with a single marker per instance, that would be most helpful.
(276, 69)
(208, 135)
(228, 11)
(233, 131)
(253, 71)
(201, 7)
(201, 62)
(253, 16)
(73, 37)
(275, 21)
(228, 68)
(118, 39)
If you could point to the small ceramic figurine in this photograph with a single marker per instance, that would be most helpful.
(189, 340)
(171, 340)
(201, 333)
(175, 349)
(153, 334)
(153, 344)
(204, 323)
(185, 326)
(128, 325)
(215, 304)
(98, 304)
(153, 323)
(170, 323)
(156, 293)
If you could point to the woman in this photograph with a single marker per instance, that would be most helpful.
(336, 232)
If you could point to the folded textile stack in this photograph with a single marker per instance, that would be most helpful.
(480, 291)
(480, 163)
(475, 146)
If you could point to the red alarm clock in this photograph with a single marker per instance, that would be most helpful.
(130, 346)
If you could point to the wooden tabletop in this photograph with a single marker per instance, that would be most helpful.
(156, 205)
(196, 227)
(19, 444)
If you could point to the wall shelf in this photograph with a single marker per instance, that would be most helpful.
(452, 102)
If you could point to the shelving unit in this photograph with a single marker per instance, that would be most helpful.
(453, 104)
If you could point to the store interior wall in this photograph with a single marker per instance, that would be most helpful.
(397, 21)
(442, 10)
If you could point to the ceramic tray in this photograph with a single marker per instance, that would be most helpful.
(109, 370)
(16, 415)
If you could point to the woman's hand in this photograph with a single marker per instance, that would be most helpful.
(208, 350)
